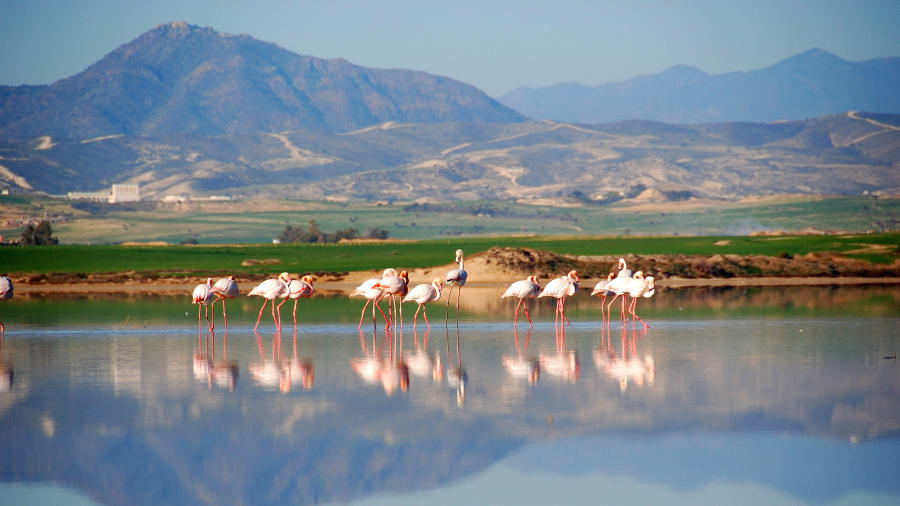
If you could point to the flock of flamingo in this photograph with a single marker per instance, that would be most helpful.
(395, 285)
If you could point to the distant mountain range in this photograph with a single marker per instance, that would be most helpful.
(811, 84)
(184, 109)
(180, 78)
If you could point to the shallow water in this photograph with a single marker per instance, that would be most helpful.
(758, 396)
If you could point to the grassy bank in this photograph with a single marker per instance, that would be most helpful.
(186, 260)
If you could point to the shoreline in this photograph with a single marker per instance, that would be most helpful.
(180, 286)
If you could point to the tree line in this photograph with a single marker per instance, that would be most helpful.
(313, 234)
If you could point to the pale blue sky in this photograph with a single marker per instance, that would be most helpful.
(494, 45)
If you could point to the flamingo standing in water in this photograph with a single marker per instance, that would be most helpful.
(204, 296)
(423, 294)
(393, 284)
(299, 289)
(618, 286)
(6, 292)
(373, 295)
(270, 290)
(455, 277)
(560, 288)
(526, 288)
(601, 289)
(639, 287)
(225, 288)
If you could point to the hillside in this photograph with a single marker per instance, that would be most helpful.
(530, 162)
(180, 78)
(811, 84)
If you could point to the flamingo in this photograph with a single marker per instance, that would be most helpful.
(639, 287)
(455, 277)
(601, 289)
(394, 284)
(299, 289)
(6, 292)
(225, 288)
(204, 296)
(270, 290)
(618, 286)
(560, 288)
(373, 295)
(423, 294)
(520, 365)
(526, 288)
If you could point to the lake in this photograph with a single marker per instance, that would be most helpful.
(734, 395)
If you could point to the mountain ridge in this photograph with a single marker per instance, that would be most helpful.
(181, 78)
(813, 83)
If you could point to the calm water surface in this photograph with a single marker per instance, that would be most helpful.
(754, 396)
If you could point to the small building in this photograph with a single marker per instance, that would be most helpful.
(98, 196)
(125, 193)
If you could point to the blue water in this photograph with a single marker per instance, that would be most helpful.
(739, 408)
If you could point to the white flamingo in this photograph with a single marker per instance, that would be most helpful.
(601, 289)
(560, 288)
(455, 277)
(299, 289)
(225, 288)
(6, 292)
(423, 294)
(270, 290)
(526, 288)
(203, 296)
(639, 287)
(373, 296)
(618, 286)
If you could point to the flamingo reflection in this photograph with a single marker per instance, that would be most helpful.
(457, 378)
(6, 373)
(374, 368)
(627, 367)
(222, 373)
(564, 363)
(298, 371)
(268, 371)
(424, 364)
(520, 365)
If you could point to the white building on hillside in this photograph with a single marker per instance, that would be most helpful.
(125, 193)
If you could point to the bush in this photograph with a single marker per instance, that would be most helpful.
(40, 235)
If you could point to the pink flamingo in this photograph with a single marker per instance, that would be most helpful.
(618, 286)
(423, 294)
(225, 288)
(639, 287)
(204, 296)
(455, 277)
(393, 284)
(6, 292)
(601, 289)
(523, 289)
(560, 288)
(299, 289)
(270, 290)
(373, 296)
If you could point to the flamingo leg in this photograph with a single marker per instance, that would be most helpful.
(381, 311)
(624, 316)
(363, 314)
(458, 292)
(278, 321)
(278, 324)
(425, 314)
(609, 306)
(224, 314)
(400, 305)
(213, 324)
(635, 316)
(525, 306)
(258, 318)
(516, 314)
(563, 310)
(447, 312)
(295, 312)
(602, 312)
(416, 317)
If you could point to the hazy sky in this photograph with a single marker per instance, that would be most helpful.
(494, 45)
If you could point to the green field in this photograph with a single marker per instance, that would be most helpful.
(191, 260)
(260, 221)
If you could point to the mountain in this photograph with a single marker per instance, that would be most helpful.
(538, 162)
(180, 78)
(811, 84)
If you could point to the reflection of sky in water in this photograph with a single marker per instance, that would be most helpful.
(701, 410)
